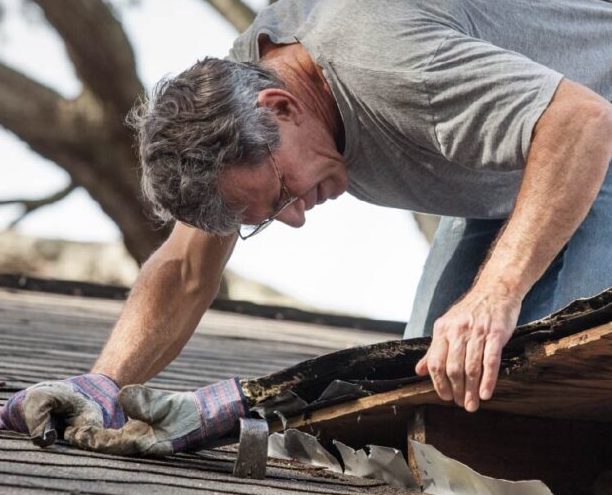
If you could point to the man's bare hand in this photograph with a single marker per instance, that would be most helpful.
(465, 354)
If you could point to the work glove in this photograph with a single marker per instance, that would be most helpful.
(89, 399)
(165, 423)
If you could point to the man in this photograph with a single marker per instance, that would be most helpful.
(495, 115)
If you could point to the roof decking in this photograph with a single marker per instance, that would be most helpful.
(44, 337)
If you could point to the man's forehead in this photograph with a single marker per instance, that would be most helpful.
(241, 175)
(240, 184)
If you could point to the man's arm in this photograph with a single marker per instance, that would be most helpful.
(567, 162)
(174, 289)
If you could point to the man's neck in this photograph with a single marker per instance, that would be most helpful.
(305, 80)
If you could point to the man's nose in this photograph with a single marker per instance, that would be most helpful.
(294, 215)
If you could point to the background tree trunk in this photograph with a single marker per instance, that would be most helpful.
(86, 136)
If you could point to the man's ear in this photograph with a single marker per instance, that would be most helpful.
(282, 103)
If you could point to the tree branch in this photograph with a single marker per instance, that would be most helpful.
(41, 116)
(236, 12)
(30, 205)
(76, 136)
(98, 48)
(27, 107)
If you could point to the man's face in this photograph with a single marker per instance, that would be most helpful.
(308, 164)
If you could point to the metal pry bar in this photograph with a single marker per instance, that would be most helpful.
(49, 434)
(252, 449)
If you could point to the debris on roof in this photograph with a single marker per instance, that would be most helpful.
(363, 371)
(386, 369)
(381, 463)
(555, 382)
(301, 447)
(437, 473)
(441, 475)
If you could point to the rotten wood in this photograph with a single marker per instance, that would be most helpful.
(308, 379)
(99, 50)
(417, 432)
(569, 378)
(559, 367)
(550, 417)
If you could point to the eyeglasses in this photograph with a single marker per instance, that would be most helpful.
(247, 231)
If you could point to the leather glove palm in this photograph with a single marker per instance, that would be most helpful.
(164, 423)
(89, 399)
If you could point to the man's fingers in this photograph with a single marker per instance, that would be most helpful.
(491, 362)
(134, 438)
(421, 366)
(455, 368)
(436, 364)
(473, 371)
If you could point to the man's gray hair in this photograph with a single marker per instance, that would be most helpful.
(191, 127)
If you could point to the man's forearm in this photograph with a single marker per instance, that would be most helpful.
(155, 324)
(175, 287)
(567, 163)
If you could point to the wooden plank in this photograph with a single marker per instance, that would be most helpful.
(569, 378)
(568, 455)
(383, 404)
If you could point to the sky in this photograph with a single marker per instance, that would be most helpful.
(350, 257)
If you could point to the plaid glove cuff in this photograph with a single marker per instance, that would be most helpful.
(102, 390)
(11, 415)
(220, 406)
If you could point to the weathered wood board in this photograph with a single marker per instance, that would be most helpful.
(569, 378)
(550, 417)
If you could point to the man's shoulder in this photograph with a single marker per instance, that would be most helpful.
(348, 24)
(280, 21)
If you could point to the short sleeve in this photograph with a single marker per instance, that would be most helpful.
(485, 101)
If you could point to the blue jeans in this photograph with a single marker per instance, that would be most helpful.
(582, 269)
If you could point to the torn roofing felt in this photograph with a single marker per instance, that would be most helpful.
(436, 473)
(365, 370)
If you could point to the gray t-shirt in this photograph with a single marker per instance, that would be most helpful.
(439, 98)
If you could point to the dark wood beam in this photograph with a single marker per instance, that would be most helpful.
(569, 456)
